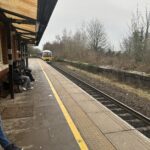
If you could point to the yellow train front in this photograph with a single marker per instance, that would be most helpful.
(47, 55)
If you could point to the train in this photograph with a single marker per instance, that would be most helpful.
(47, 55)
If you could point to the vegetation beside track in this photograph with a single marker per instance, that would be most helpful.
(135, 79)
(139, 92)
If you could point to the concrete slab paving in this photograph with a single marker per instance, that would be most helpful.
(91, 134)
(90, 107)
(101, 129)
(107, 124)
(80, 97)
(128, 140)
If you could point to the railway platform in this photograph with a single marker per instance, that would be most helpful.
(58, 115)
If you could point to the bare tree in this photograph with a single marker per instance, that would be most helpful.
(96, 35)
(146, 22)
(134, 43)
(47, 46)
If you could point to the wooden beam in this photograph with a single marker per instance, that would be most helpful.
(27, 37)
(24, 30)
(26, 33)
(16, 14)
(31, 22)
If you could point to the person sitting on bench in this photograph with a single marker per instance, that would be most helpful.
(26, 71)
(21, 79)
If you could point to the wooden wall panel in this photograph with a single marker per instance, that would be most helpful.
(3, 40)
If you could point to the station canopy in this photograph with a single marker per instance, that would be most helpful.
(28, 17)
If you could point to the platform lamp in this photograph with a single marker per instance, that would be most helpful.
(37, 26)
(26, 54)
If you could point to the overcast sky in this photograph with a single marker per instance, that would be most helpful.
(115, 15)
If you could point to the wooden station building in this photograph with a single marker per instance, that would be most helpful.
(22, 22)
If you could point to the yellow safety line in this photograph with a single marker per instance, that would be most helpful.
(70, 122)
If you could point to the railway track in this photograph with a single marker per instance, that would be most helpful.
(134, 118)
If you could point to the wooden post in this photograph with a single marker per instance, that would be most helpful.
(24, 54)
(19, 46)
(10, 60)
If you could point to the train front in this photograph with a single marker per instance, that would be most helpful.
(47, 55)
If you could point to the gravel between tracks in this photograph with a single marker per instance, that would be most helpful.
(135, 101)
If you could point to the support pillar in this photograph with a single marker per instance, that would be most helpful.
(10, 60)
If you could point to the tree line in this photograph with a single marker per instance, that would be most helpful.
(90, 44)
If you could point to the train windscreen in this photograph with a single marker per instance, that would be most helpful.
(47, 54)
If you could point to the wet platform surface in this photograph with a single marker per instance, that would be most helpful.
(35, 121)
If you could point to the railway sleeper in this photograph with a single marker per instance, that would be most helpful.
(136, 123)
(106, 102)
(126, 117)
(111, 106)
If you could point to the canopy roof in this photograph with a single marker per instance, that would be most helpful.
(28, 17)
